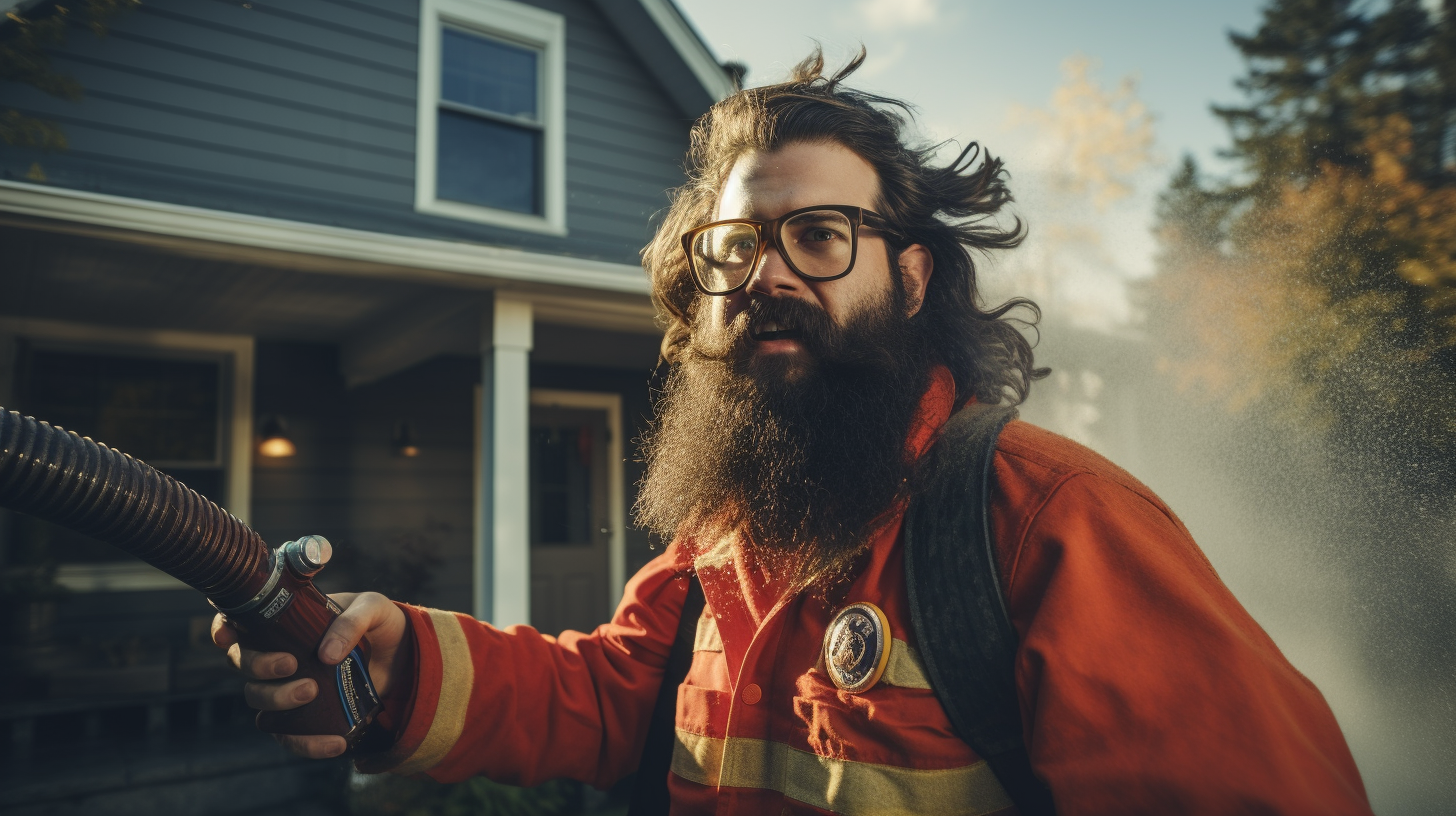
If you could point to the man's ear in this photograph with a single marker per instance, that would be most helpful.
(916, 266)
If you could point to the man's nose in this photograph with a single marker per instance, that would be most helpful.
(773, 275)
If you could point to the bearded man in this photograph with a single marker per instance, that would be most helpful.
(824, 323)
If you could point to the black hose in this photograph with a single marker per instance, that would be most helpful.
(53, 474)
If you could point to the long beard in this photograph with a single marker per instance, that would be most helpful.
(799, 456)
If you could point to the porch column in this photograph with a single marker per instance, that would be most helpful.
(503, 545)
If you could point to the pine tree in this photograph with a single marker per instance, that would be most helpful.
(1314, 295)
(1322, 281)
(1323, 74)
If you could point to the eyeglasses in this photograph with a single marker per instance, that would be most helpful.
(819, 243)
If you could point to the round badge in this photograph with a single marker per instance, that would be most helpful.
(857, 647)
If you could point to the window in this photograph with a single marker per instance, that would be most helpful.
(181, 402)
(562, 484)
(491, 144)
(165, 412)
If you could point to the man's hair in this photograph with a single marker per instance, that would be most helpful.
(949, 210)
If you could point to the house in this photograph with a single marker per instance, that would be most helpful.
(363, 269)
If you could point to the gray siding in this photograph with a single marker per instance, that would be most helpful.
(346, 484)
(305, 110)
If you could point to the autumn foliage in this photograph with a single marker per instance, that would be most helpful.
(1321, 288)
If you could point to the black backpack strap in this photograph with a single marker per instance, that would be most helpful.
(649, 794)
(961, 624)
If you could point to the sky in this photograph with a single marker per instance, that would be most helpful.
(988, 71)
(964, 63)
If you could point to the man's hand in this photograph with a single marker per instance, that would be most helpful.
(367, 614)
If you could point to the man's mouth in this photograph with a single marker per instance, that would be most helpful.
(773, 330)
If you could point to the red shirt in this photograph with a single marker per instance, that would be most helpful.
(1144, 686)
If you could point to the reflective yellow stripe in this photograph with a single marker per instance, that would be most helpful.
(836, 785)
(904, 669)
(457, 676)
(707, 639)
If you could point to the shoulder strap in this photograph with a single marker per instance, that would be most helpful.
(961, 624)
(649, 794)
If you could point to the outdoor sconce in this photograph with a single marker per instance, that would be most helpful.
(275, 443)
(404, 441)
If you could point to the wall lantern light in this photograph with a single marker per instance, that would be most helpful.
(404, 441)
(275, 443)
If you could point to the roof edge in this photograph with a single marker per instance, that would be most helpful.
(453, 258)
(673, 51)
(689, 44)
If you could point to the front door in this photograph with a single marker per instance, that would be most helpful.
(569, 518)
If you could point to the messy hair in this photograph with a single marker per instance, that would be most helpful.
(950, 210)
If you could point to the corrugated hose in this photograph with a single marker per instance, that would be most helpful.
(55, 475)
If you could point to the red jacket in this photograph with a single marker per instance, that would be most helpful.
(1145, 687)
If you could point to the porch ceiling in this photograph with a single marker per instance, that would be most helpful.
(91, 280)
(384, 318)
(70, 271)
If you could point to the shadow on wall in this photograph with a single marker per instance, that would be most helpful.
(1351, 570)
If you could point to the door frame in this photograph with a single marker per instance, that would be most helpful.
(611, 403)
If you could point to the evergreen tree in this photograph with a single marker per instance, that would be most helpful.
(1315, 295)
(1322, 282)
(1322, 74)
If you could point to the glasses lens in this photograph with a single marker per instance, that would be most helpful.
(820, 243)
(723, 256)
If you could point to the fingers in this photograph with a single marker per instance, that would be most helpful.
(262, 665)
(362, 612)
(312, 747)
(253, 665)
(223, 633)
(279, 696)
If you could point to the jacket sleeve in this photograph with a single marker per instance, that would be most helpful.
(1145, 686)
(522, 707)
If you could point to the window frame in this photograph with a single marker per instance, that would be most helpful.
(514, 23)
(235, 354)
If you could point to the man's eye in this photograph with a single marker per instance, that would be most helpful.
(734, 250)
(740, 248)
(820, 235)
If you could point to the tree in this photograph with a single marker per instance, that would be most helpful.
(1321, 284)
(1101, 138)
(24, 42)
(1321, 72)
(1314, 294)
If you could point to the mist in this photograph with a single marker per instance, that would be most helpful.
(1341, 542)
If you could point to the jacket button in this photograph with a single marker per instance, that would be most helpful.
(752, 694)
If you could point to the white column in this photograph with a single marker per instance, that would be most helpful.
(503, 544)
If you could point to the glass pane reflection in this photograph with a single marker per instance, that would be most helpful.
(488, 74)
(488, 163)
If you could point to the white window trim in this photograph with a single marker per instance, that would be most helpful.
(512, 21)
(139, 576)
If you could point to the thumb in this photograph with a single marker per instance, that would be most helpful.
(350, 627)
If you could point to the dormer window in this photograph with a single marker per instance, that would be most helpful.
(491, 144)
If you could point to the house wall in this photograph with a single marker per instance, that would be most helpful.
(388, 516)
(391, 516)
(305, 110)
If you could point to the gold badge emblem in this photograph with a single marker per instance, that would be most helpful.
(857, 647)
